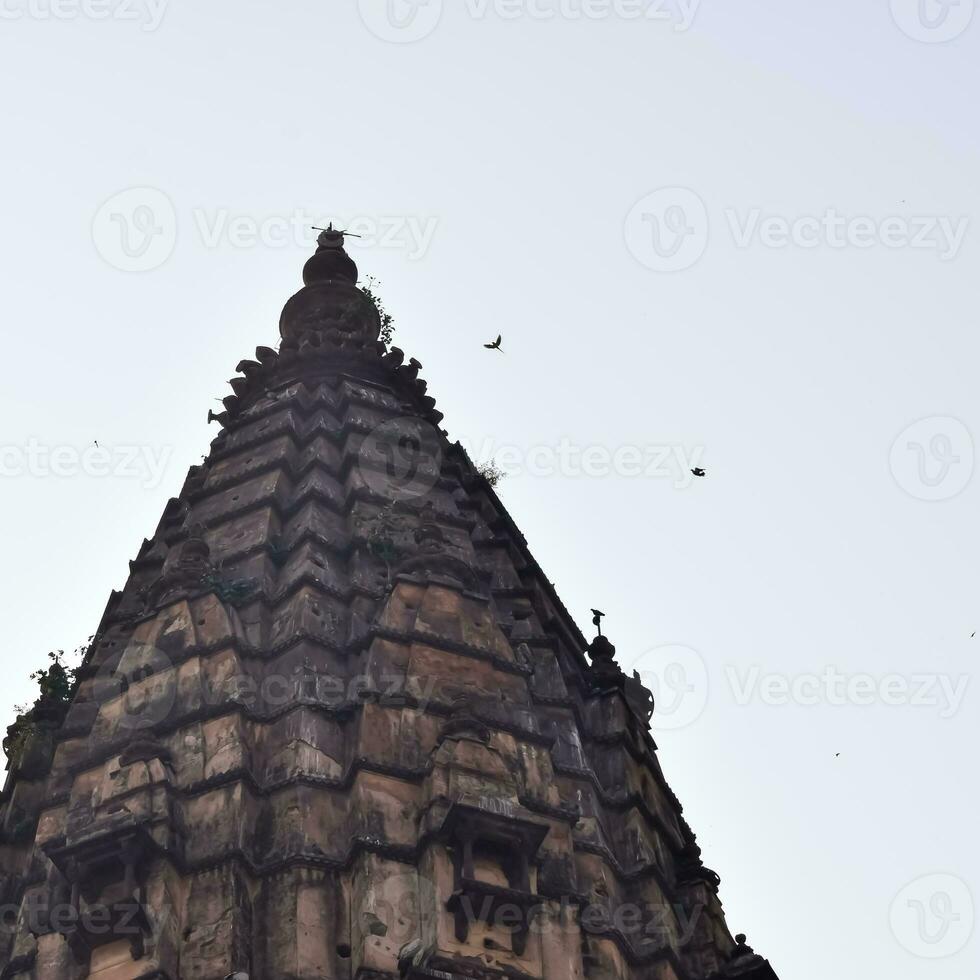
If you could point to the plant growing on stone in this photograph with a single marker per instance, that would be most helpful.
(57, 682)
(387, 320)
(491, 472)
(56, 687)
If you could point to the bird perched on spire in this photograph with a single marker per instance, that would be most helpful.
(597, 618)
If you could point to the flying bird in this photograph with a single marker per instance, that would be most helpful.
(495, 345)
(697, 471)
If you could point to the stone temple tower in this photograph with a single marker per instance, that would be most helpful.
(338, 725)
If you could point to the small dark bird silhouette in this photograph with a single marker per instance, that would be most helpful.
(96, 443)
(973, 634)
(697, 471)
(495, 345)
(597, 620)
(837, 756)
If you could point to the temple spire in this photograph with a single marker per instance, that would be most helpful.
(338, 723)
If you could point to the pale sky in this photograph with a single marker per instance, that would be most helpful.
(737, 236)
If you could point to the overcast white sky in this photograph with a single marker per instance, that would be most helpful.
(741, 237)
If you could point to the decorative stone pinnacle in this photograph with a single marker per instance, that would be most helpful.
(603, 654)
(330, 308)
(330, 261)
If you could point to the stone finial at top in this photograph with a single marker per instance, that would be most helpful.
(330, 261)
(606, 671)
(330, 310)
(603, 654)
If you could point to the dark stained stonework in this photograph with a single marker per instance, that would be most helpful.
(339, 725)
